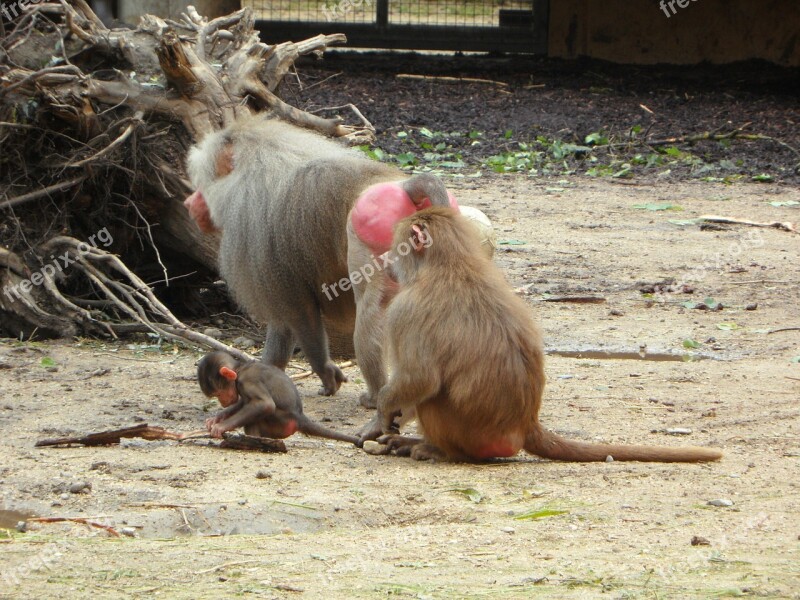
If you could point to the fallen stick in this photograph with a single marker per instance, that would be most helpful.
(199, 434)
(232, 441)
(240, 441)
(576, 299)
(83, 521)
(790, 227)
(107, 438)
(783, 329)
(445, 79)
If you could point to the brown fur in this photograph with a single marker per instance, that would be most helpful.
(372, 296)
(468, 357)
(262, 399)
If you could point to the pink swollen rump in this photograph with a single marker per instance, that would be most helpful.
(378, 210)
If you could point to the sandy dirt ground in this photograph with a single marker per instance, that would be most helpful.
(327, 520)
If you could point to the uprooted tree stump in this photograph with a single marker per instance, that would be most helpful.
(94, 126)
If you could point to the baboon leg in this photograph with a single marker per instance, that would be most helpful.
(314, 341)
(368, 342)
(278, 346)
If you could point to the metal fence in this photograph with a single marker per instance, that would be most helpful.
(487, 25)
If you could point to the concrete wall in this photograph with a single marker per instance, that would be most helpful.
(131, 10)
(639, 31)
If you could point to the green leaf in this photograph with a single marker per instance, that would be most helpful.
(407, 159)
(471, 493)
(511, 242)
(690, 304)
(596, 139)
(508, 133)
(474, 135)
(729, 326)
(796, 359)
(48, 362)
(373, 153)
(691, 344)
(425, 132)
(636, 129)
(600, 171)
(762, 178)
(561, 150)
(656, 207)
(459, 164)
(624, 172)
(540, 514)
(786, 203)
(402, 134)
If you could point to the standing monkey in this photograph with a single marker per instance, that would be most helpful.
(468, 358)
(261, 398)
(281, 197)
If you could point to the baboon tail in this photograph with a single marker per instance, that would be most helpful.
(309, 427)
(547, 444)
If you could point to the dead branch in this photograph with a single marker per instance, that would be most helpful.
(122, 106)
(790, 227)
(81, 520)
(48, 191)
(444, 79)
(240, 441)
(783, 329)
(124, 136)
(108, 438)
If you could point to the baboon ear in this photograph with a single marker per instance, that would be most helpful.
(227, 373)
(420, 238)
(224, 163)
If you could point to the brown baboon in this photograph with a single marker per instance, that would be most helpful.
(261, 398)
(468, 358)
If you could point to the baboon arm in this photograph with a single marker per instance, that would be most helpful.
(253, 410)
(225, 413)
(404, 391)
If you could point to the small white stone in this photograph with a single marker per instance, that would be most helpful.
(609, 458)
(679, 431)
(720, 502)
(373, 447)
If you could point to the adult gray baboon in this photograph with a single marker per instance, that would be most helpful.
(281, 196)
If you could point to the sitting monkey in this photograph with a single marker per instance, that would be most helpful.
(259, 397)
